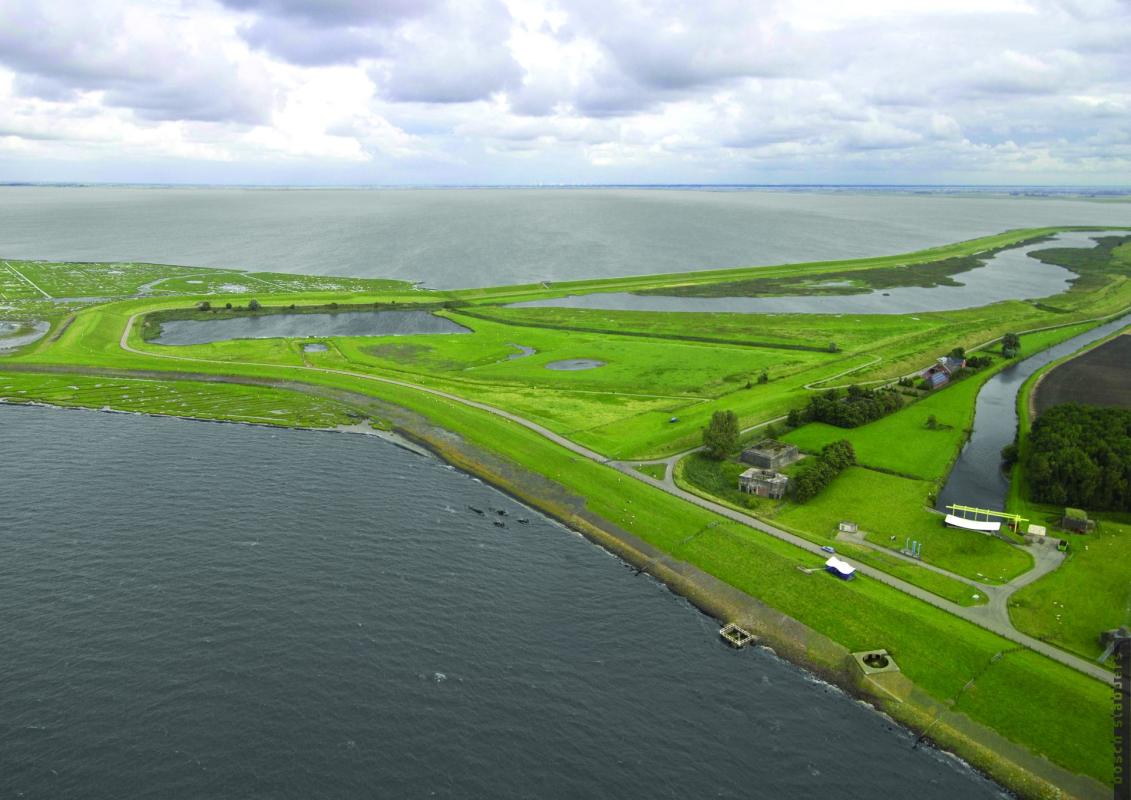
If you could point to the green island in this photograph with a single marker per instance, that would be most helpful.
(597, 418)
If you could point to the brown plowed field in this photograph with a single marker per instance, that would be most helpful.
(1099, 377)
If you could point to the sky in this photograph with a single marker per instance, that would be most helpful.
(566, 91)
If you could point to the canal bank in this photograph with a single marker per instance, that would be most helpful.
(976, 479)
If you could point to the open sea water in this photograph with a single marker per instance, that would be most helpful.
(448, 238)
(199, 610)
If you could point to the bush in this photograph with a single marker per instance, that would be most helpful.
(203, 305)
(818, 472)
(253, 304)
(858, 406)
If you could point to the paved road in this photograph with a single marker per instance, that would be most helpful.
(1005, 630)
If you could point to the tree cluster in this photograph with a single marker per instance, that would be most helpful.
(1081, 456)
(856, 407)
(818, 472)
(721, 434)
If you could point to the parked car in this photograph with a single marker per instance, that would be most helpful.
(828, 549)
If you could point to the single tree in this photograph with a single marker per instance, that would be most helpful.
(253, 304)
(958, 353)
(1010, 345)
(204, 305)
(721, 434)
(794, 419)
(763, 377)
(933, 422)
(833, 348)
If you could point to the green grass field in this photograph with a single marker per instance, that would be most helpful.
(1089, 593)
(624, 409)
(892, 509)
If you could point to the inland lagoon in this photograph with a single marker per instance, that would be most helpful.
(1007, 275)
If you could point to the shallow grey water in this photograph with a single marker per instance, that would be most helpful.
(483, 237)
(976, 478)
(1008, 275)
(10, 340)
(276, 326)
(574, 364)
(320, 615)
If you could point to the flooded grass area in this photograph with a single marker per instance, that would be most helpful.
(575, 364)
(283, 326)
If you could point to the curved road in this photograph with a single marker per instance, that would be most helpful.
(1006, 631)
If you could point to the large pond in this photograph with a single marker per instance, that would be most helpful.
(279, 326)
(195, 610)
(1008, 275)
(977, 478)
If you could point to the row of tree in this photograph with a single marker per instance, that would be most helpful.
(854, 407)
(1081, 456)
(819, 471)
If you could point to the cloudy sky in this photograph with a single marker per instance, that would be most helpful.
(566, 91)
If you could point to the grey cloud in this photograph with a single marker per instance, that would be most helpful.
(312, 33)
(335, 13)
(45, 88)
(55, 56)
(293, 41)
(459, 57)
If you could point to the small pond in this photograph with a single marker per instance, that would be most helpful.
(524, 352)
(279, 326)
(315, 347)
(1009, 275)
(575, 364)
(10, 339)
(977, 479)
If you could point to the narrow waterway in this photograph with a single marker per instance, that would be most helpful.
(977, 478)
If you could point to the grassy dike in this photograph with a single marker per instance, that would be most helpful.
(723, 567)
(676, 543)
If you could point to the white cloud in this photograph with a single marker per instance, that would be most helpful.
(586, 90)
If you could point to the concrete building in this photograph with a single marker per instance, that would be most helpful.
(770, 454)
(764, 483)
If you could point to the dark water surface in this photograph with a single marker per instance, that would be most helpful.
(451, 238)
(196, 610)
(977, 478)
(276, 326)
